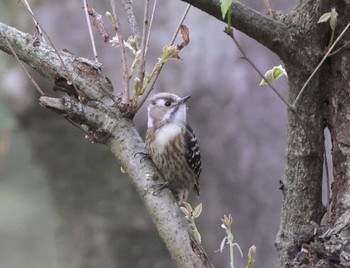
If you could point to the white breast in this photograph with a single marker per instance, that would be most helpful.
(165, 134)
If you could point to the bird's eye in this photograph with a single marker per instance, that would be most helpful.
(167, 103)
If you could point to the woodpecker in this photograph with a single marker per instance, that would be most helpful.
(172, 145)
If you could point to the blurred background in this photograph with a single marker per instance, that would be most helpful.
(63, 200)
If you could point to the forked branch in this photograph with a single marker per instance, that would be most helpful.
(117, 132)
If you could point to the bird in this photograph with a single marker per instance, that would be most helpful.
(172, 144)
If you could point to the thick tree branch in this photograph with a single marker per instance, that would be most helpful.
(270, 33)
(99, 115)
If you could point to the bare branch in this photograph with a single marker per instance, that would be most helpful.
(271, 33)
(98, 22)
(268, 6)
(49, 63)
(24, 69)
(145, 32)
(148, 92)
(126, 76)
(320, 64)
(35, 42)
(150, 25)
(179, 25)
(90, 30)
(230, 33)
(26, 4)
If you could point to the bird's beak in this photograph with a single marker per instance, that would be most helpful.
(184, 99)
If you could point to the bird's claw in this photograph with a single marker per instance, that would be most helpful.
(144, 155)
(159, 186)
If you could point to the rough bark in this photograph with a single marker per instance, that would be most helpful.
(301, 185)
(105, 123)
(300, 42)
(299, 242)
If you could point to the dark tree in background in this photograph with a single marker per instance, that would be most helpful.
(104, 224)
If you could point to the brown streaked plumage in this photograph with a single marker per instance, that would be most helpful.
(172, 144)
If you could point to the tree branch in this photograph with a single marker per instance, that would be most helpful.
(270, 33)
(108, 124)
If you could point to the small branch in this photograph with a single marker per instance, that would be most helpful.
(179, 25)
(319, 65)
(41, 31)
(49, 63)
(126, 75)
(69, 78)
(54, 103)
(26, 4)
(128, 8)
(24, 69)
(230, 33)
(268, 6)
(289, 107)
(343, 47)
(90, 30)
(150, 25)
(148, 92)
(145, 32)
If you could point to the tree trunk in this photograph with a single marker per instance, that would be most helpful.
(300, 42)
(325, 102)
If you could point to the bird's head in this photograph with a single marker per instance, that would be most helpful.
(166, 108)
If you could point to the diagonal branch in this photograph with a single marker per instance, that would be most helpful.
(267, 31)
(108, 124)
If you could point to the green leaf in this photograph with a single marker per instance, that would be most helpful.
(185, 211)
(331, 17)
(188, 207)
(273, 74)
(325, 17)
(197, 211)
(225, 7)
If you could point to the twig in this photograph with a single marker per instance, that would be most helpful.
(150, 26)
(56, 50)
(127, 6)
(290, 107)
(230, 33)
(126, 76)
(26, 4)
(344, 46)
(24, 69)
(268, 6)
(145, 31)
(148, 92)
(319, 65)
(90, 30)
(180, 23)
